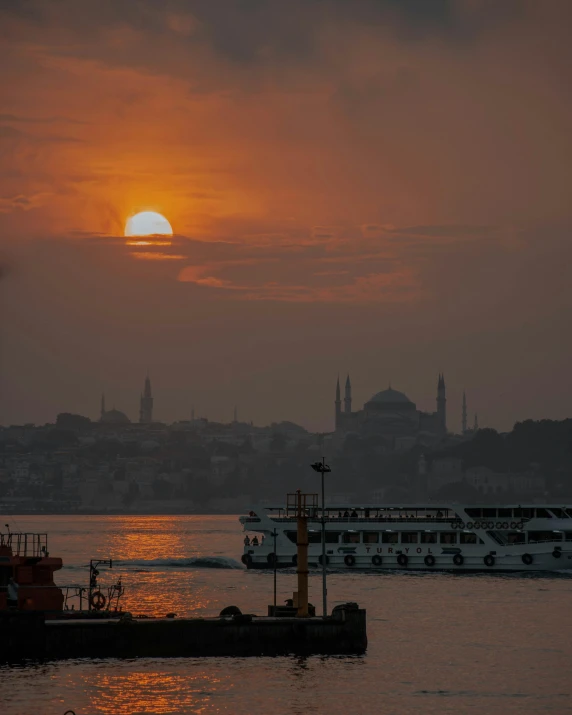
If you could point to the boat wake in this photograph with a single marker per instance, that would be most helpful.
(189, 562)
(194, 562)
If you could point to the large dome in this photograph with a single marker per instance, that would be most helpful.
(390, 400)
(115, 417)
(391, 396)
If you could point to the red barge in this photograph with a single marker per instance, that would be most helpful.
(27, 574)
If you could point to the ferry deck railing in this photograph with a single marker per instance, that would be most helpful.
(25, 543)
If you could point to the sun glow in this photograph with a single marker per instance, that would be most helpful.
(148, 223)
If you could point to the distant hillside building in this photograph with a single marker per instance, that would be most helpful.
(391, 413)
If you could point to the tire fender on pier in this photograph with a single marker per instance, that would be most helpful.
(402, 560)
(527, 559)
(429, 560)
(376, 560)
(458, 559)
(349, 560)
(489, 560)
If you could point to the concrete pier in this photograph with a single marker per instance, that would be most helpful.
(344, 632)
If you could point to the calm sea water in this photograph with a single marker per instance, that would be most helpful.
(438, 643)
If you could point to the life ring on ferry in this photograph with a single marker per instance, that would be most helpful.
(429, 560)
(97, 601)
(527, 559)
(470, 525)
(402, 560)
(477, 525)
(498, 525)
(349, 560)
(489, 560)
(504, 525)
(271, 559)
(246, 559)
(490, 525)
(519, 525)
(376, 560)
(458, 559)
(513, 524)
(325, 558)
(557, 553)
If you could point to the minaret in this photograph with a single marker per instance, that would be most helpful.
(476, 425)
(442, 403)
(348, 397)
(338, 404)
(464, 415)
(102, 414)
(146, 404)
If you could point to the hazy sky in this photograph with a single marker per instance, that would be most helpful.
(379, 186)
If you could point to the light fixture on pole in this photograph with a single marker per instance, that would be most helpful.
(323, 468)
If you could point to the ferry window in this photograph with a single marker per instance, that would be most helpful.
(538, 536)
(389, 538)
(515, 537)
(292, 536)
(568, 536)
(428, 538)
(473, 512)
(332, 537)
(448, 537)
(491, 513)
(558, 513)
(351, 537)
(528, 513)
(371, 537)
(409, 537)
(314, 537)
(467, 538)
(505, 512)
(542, 514)
(517, 513)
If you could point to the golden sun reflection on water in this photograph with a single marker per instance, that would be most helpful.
(148, 689)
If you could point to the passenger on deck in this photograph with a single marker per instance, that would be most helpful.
(439, 515)
(246, 541)
(255, 540)
(346, 514)
(339, 515)
(354, 514)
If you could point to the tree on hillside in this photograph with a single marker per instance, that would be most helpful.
(75, 423)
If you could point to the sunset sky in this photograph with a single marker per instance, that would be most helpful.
(374, 186)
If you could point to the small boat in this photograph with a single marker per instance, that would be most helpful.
(420, 537)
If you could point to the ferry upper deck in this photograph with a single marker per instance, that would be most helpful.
(435, 513)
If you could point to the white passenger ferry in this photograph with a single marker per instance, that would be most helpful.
(417, 537)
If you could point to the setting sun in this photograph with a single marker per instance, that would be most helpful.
(148, 223)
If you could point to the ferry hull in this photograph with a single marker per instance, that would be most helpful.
(541, 564)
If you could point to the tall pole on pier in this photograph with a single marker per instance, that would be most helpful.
(322, 467)
(275, 565)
